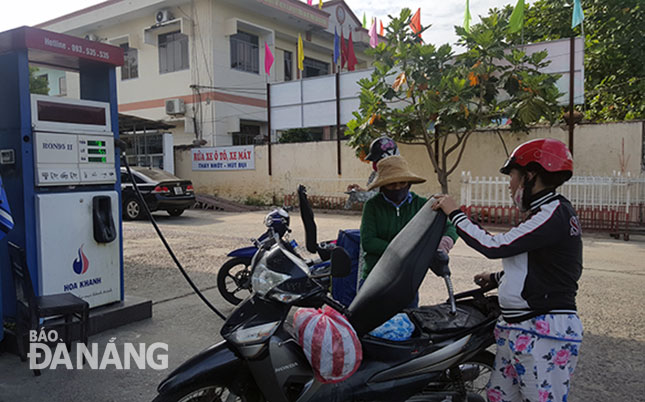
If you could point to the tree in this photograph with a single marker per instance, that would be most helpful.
(296, 135)
(421, 94)
(614, 51)
(37, 85)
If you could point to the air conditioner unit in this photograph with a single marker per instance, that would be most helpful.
(163, 16)
(175, 106)
(92, 37)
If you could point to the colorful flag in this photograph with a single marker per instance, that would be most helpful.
(343, 49)
(268, 59)
(381, 30)
(373, 36)
(301, 54)
(336, 46)
(320, 4)
(6, 220)
(415, 23)
(517, 17)
(364, 21)
(578, 15)
(351, 57)
(467, 17)
(310, 2)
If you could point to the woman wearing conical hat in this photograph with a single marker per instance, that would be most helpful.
(385, 214)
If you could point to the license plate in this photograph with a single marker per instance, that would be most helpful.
(179, 191)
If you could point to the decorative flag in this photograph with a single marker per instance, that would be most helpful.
(467, 17)
(517, 17)
(381, 30)
(364, 21)
(6, 220)
(301, 54)
(351, 57)
(578, 15)
(310, 2)
(343, 49)
(268, 59)
(320, 4)
(373, 36)
(336, 46)
(415, 23)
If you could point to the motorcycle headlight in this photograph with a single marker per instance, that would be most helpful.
(259, 333)
(264, 279)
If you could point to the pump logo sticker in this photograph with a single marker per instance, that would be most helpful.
(81, 264)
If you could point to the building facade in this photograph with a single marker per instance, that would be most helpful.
(199, 64)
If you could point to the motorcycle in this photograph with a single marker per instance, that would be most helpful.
(234, 276)
(260, 359)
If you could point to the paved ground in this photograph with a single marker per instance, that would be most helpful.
(611, 367)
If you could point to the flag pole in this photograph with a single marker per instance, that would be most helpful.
(572, 58)
(269, 124)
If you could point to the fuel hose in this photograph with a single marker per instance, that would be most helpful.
(122, 145)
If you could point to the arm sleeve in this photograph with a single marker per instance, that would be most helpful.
(539, 231)
(370, 240)
(451, 231)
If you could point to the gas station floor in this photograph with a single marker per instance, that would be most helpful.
(611, 365)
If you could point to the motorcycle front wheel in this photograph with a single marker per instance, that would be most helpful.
(208, 393)
(234, 279)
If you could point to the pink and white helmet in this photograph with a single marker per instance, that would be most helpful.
(329, 342)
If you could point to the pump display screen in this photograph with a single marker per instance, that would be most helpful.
(69, 113)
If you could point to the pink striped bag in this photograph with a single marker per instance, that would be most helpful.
(329, 342)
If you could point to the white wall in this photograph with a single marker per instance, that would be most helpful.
(597, 150)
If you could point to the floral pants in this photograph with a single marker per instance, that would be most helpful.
(531, 367)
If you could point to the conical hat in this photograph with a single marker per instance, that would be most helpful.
(394, 169)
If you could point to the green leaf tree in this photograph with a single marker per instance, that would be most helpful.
(426, 95)
(614, 51)
(296, 135)
(37, 85)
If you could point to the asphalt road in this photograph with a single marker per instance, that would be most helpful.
(611, 365)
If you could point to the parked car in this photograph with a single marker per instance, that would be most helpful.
(161, 190)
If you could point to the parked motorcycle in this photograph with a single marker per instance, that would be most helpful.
(234, 276)
(260, 359)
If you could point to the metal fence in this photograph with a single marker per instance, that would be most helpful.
(608, 203)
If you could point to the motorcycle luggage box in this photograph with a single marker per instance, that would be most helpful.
(383, 350)
(396, 277)
(438, 322)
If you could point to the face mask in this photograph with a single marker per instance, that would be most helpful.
(518, 198)
(396, 196)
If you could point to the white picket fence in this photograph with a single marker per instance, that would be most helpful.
(617, 192)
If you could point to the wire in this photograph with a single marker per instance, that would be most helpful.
(163, 239)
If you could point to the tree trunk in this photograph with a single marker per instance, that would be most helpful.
(442, 177)
(443, 180)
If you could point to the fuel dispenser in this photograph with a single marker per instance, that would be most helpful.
(61, 169)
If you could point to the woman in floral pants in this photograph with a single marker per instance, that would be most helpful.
(539, 333)
(535, 360)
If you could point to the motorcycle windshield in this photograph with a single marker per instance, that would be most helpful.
(395, 279)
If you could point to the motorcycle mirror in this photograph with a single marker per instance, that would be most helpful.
(341, 263)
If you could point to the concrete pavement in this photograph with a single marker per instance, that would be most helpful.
(611, 366)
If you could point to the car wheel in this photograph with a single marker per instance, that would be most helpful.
(132, 209)
(175, 211)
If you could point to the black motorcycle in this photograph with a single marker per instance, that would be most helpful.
(260, 359)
